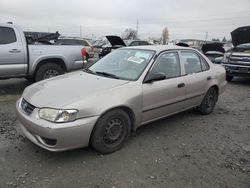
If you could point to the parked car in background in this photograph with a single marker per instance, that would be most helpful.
(128, 88)
(116, 42)
(136, 42)
(36, 61)
(77, 42)
(237, 63)
(193, 43)
(214, 51)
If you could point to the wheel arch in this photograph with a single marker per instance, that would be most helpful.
(57, 61)
(216, 89)
(126, 109)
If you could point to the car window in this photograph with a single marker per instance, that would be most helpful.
(7, 35)
(135, 43)
(69, 42)
(127, 64)
(204, 65)
(168, 64)
(193, 63)
(85, 43)
(143, 43)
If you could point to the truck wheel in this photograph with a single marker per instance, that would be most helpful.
(208, 102)
(111, 131)
(229, 78)
(48, 70)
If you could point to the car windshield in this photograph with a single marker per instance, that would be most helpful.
(127, 64)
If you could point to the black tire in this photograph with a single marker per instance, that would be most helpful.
(111, 131)
(229, 78)
(208, 102)
(30, 79)
(48, 70)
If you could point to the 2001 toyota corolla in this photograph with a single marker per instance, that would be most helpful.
(101, 105)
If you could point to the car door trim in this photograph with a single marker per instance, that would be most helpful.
(162, 106)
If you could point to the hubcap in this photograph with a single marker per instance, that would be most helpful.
(50, 73)
(113, 131)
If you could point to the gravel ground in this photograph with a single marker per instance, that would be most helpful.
(185, 150)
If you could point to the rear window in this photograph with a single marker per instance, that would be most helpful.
(7, 35)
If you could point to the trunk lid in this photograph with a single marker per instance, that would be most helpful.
(115, 40)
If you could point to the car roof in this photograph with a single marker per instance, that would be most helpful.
(159, 48)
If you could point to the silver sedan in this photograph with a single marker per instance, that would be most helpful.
(100, 106)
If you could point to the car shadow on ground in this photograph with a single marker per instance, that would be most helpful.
(13, 86)
(240, 81)
(169, 125)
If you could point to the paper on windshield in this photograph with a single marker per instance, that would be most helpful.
(135, 59)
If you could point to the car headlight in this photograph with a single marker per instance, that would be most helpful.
(58, 116)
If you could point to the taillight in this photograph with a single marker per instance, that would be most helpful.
(84, 53)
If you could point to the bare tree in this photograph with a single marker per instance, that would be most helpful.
(165, 35)
(224, 39)
(130, 34)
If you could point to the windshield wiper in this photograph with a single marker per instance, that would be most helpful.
(107, 74)
(89, 71)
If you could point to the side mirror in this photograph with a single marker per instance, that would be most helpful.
(155, 77)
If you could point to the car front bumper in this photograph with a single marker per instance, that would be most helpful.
(237, 70)
(55, 136)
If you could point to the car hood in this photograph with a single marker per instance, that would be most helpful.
(241, 35)
(115, 40)
(215, 47)
(64, 90)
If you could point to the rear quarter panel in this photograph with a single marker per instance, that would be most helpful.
(70, 55)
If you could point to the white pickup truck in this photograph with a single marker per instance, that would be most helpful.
(37, 61)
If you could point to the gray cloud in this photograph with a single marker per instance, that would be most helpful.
(185, 19)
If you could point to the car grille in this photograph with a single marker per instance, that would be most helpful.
(27, 107)
(240, 59)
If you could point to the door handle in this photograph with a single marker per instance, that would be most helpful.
(209, 78)
(181, 85)
(15, 51)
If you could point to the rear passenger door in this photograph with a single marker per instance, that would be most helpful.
(164, 97)
(198, 76)
(12, 53)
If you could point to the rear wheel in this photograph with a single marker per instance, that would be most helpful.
(229, 78)
(48, 70)
(209, 101)
(111, 131)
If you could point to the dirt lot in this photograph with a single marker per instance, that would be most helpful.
(186, 150)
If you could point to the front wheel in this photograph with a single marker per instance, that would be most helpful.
(111, 131)
(208, 102)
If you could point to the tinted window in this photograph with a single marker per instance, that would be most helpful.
(168, 64)
(68, 42)
(7, 35)
(193, 62)
(135, 43)
(144, 43)
(85, 43)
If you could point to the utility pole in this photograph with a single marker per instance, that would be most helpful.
(137, 27)
(206, 36)
(81, 31)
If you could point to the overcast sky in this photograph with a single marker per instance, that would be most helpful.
(184, 18)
